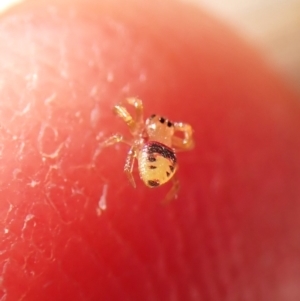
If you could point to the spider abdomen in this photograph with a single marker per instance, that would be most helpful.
(157, 163)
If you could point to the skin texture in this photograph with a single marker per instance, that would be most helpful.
(233, 232)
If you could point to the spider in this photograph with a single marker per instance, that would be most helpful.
(154, 144)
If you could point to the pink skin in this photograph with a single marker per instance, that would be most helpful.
(233, 233)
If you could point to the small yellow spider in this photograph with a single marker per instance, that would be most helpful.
(154, 145)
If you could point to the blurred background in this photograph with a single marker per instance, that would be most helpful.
(272, 26)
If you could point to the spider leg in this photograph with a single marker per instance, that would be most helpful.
(117, 138)
(129, 165)
(108, 142)
(173, 192)
(134, 124)
(185, 143)
(139, 108)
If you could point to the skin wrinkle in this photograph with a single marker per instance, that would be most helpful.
(198, 257)
(219, 249)
(194, 273)
(158, 271)
(190, 209)
(227, 256)
(178, 249)
(66, 216)
(235, 274)
(209, 286)
(66, 278)
(95, 258)
(161, 278)
(181, 262)
(163, 268)
(217, 263)
(160, 255)
(169, 276)
(75, 284)
(131, 250)
(164, 255)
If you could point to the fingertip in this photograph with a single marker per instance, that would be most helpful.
(71, 62)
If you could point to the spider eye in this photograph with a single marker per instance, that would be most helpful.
(162, 120)
(169, 124)
(152, 116)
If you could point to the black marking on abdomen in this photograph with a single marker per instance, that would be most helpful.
(151, 159)
(153, 183)
(171, 168)
(168, 174)
(159, 148)
(152, 167)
